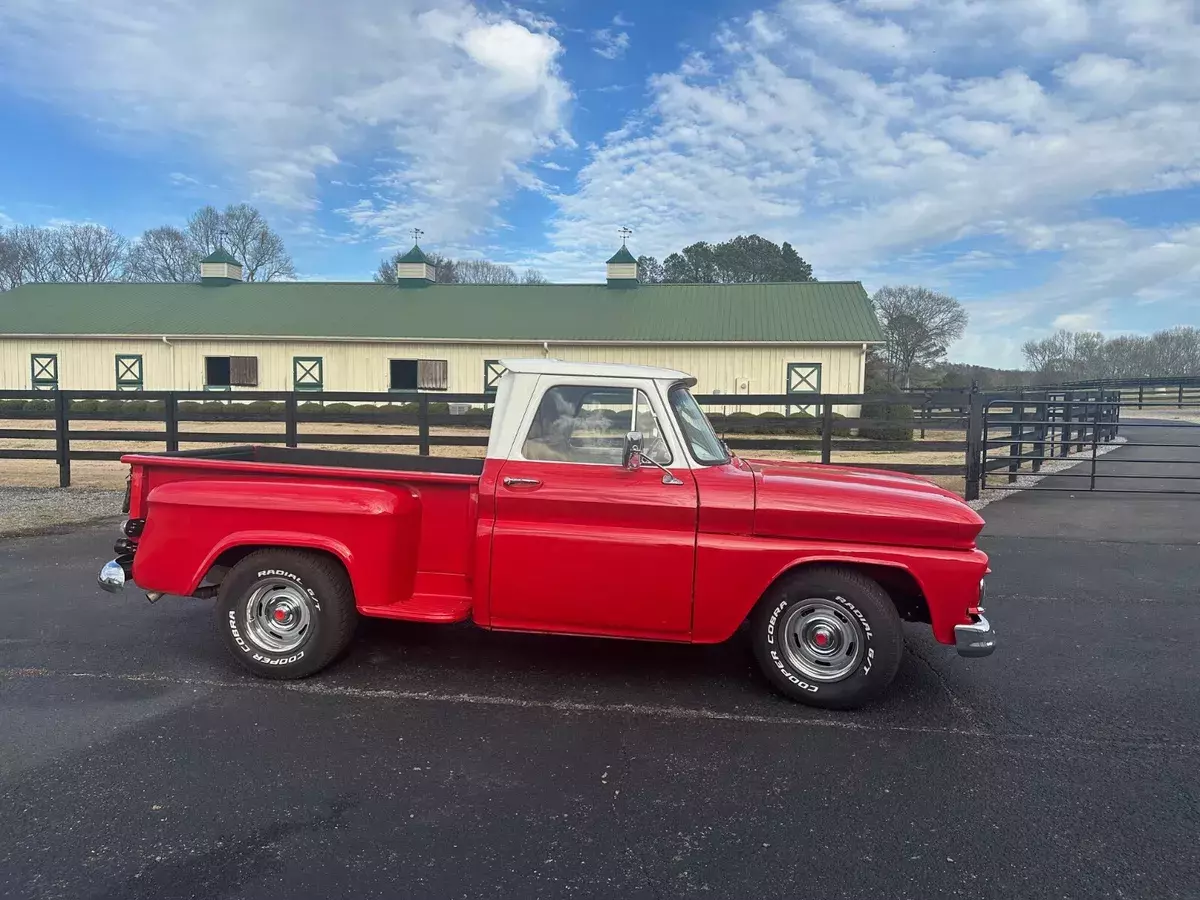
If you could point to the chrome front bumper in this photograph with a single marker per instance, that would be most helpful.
(976, 639)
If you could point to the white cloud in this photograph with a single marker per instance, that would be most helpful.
(864, 132)
(454, 101)
(826, 19)
(609, 43)
(621, 22)
(1075, 321)
(555, 167)
(181, 179)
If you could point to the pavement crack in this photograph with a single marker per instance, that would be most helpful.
(961, 706)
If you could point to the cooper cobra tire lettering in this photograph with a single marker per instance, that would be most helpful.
(237, 635)
(783, 670)
(771, 622)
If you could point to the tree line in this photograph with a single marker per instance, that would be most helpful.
(1090, 356)
(89, 253)
(745, 259)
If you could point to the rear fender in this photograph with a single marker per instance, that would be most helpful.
(373, 529)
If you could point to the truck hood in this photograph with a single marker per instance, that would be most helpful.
(838, 503)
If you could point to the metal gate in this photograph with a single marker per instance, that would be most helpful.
(1091, 440)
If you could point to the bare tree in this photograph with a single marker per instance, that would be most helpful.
(36, 257)
(256, 245)
(10, 262)
(533, 276)
(480, 271)
(243, 231)
(90, 253)
(919, 325)
(1088, 355)
(164, 255)
(204, 230)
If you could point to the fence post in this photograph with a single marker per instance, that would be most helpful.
(62, 437)
(1039, 435)
(423, 424)
(1016, 449)
(289, 419)
(1068, 412)
(1179, 405)
(1141, 394)
(1095, 442)
(924, 416)
(171, 421)
(827, 431)
(975, 442)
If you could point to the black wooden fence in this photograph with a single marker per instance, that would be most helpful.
(896, 432)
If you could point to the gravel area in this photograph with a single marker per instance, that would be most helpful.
(28, 509)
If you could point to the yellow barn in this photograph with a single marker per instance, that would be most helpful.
(221, 333)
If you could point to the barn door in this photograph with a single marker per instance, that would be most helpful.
(803, 378)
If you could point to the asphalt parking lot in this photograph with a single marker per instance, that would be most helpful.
(136, 760)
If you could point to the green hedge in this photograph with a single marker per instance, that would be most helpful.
(887, 406)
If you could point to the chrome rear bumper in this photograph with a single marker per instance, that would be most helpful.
(976, 639)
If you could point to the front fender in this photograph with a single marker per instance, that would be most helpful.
(734, 571)
(373, 529)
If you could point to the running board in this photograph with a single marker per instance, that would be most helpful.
(424, 608)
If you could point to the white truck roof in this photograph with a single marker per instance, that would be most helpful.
(590, 370)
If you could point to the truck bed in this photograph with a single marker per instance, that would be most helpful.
(342, 459)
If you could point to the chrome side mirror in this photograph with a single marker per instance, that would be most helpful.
(631, 455)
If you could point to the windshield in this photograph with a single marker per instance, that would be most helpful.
(698, 433)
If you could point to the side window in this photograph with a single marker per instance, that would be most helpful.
(588, 425)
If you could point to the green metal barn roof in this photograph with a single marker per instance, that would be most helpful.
(792, 313)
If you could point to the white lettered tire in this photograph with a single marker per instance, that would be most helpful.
(286, 613)
(828, 637)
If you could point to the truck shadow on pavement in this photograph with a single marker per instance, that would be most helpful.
(467, 660)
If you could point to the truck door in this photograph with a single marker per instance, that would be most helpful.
(582, 545)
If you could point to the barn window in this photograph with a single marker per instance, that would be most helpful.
(492, 370)
(308, 373)
(129, 372)
(418, 374)
(223, 372)
(44, 368)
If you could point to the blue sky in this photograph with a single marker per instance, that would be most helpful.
(1039, 159)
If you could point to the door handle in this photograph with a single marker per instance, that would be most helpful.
(522, 482)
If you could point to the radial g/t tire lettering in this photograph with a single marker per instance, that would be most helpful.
(286, 613)
(828, 637)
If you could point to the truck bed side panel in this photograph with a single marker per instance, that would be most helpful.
(374, 529)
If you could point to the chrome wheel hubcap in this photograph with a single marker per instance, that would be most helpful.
(278, 616)
(822, 640)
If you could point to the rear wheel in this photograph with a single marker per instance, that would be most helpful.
(828, 637)
(286, 613)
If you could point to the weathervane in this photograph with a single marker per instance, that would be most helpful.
(624, 233)
(222, 237)
(417, 234)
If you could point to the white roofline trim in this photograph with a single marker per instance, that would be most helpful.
(414, 340)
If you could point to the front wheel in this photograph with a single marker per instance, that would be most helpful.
(828, 637)
(286, 613)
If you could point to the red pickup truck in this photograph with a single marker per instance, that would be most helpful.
(606, 505)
